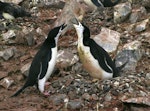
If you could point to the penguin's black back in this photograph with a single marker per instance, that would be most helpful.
(99, 53)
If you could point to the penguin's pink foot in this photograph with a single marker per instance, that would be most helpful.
(46, 93)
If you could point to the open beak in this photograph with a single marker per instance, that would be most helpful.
(63, 26)
(74, 21)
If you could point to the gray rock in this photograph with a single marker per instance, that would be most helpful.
(146, 3)
(148, 76)
(135, 1)
(108, 97)
(86, 96)
(108, 39)
(131, 53)
(25, 69)
(122, 11)
(8, 35)
(77, 68)
(58, 99)
(75, 104)
(29, 38)
(142, 26)
(94, 97)
(66, 59)
(8, 53)
(6, 82)
(50, 3)
(137, 14)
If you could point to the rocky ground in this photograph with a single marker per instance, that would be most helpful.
(70, 87)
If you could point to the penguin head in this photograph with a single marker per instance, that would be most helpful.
(56, 32)
(81, 29)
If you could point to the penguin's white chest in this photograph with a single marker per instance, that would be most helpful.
(51, 63)
(91, 64)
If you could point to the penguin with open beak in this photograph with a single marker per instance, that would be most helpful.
(11, 11)
(94, 58)
(44, 61)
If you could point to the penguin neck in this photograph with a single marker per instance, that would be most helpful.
(50, 43)
(83, 39)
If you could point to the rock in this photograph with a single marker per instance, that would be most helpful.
(122, 11)
(86, 96)
(30, 38)
(71, 9)
(132, 53)
(66, 59)
(94, 97)
(146, 3)
(8, 53)
(25, 69)
(108, 39)
(49, 3)
(108, 97)
(3, 74)
(137, 14)
(58, 99)
(142, 26)
(116, 83)
(75, 104)
(139, 26)
(6, 82)
(148, 76)
(26, 36)
(8, 35)
(77, 68)
(135, 1)
(139, 100)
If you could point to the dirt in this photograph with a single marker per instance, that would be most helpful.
(31, 99)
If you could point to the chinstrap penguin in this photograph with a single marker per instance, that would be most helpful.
(94, 58)
(44, 61)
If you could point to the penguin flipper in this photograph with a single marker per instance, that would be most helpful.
(98, 3)
(102, 56)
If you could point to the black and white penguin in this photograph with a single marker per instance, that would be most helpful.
(101, 3)
(11, 11)
(44, 61)
(94, 58)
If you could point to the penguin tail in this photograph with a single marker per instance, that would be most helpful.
(118, 69)
(121, 67)
(19, 91)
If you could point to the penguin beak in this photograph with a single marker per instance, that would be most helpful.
(63, 26)
(74, 21)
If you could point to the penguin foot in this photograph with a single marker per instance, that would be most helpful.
(46, 93)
